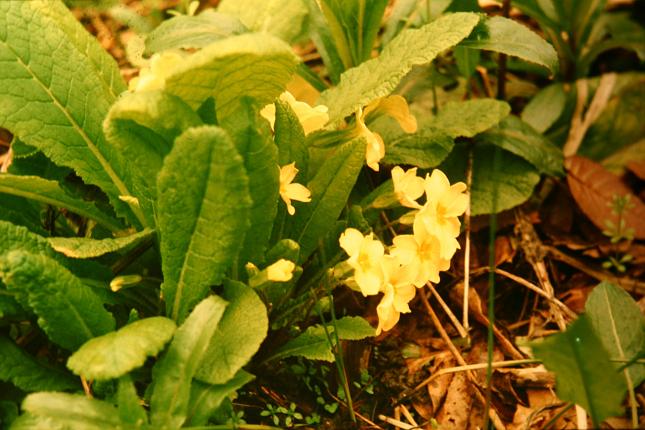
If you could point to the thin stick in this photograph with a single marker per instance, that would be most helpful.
(408, 415)
(396, 423)
(87, 388)
(497, 422)
(469, 181)
(462, 331)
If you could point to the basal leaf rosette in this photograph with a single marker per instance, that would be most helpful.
(413, 260)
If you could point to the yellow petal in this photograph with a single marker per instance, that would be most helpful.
(281, 270)
(311, 118)
(375, 150)
(350, 240)
(287, 174)
(268, 113)
(298, 192)
(408, 187)
(396, 107)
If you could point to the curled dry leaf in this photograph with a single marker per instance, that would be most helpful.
(594, 188)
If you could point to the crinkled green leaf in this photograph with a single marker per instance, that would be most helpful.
(51, 193)
(584, 374)
(619, 324)
(84, 247)
(470, 117)
(21, 211)
(252, 137)
(69, 411)
(509, 37)
(189, 32)
(206, 398)
(285, 19)
(516, 136)
(330, 189)
(29, 374)
(253, 65)
(115, 354)
(544, 109)
(238, 336)
(68, 310)
(314, 345)
(56, 86)
(142, 127)
(513, 178)
(379, 76)
(290, 138)
(203, 215)
(173, 373)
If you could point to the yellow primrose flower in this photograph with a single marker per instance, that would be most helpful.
(421, 252)
(365, 255)
(154, 77)
(281, 270)
(311, 118)
(408, 187)
(289, 191)
(398, 292)
(444, 204)
(394, 106)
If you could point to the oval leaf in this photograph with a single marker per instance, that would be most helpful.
(83, 247)
(115, 354)
(203, 215)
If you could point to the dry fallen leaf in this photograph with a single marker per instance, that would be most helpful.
(594, 188)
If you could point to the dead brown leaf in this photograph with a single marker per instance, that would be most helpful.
(593, 188)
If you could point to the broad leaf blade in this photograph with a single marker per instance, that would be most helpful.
(314, 345)
(584, 374)
(519, 138)
(71, 411)
(130, 409)
(173, 373)
(51, 193)
(41, 47)
(378, 77)
(28, 374)
(544, 109)
(203, 215)
(330, 189)
(253, 65)
(620, 326)
(470, 117)
(238, 337)
(189, 32)
(115, 354)
(68, 310)
(82, 247)
(509, 37)
(252, 137)
(141, 127)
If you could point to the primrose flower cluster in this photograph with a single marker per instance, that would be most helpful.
(413, 259)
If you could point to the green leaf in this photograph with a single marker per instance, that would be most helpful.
(70, 411)
(192, 32)
(313, 343)
(253, 65)
(509, 37)
(584, 374)
(619, 324)
(519, 138)
(21, 211)
(141, 127)
(354, 25)
(290, 138)
(173, 373)
(115, 354)
(51, 193)
(130, 409)
(29, 374)
(427, 147)
(379, 76)
(545, 107)
(203, 215)
(321, 36)
(206, 398)
(514, 178)
(68, 310)
(83, 247)
(56, 86)
(330, 189)
(470, 117)
(285, 19)
(252, 137)
(238, 336)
